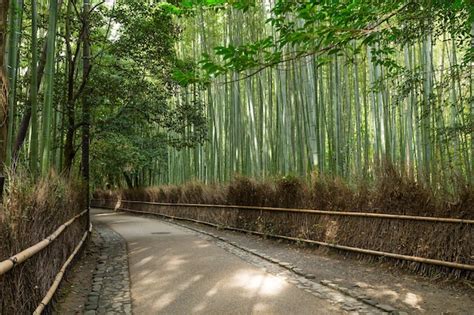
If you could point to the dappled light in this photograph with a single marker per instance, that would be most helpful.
(174, 262)
(413, 300)
(201, 244)
(400, 295)
(257, 283)
(139, 250)
(144, 261)
(167, 298)
(178, 273)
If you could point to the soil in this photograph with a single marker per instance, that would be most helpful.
(72, 296)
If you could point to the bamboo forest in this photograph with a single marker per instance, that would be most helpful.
(304, 97)
(204, 90)
(340, 124)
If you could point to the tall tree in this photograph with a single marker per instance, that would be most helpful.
(34, 89)
(15, 30)
(4, 5)
(86, 55)
(46, 140)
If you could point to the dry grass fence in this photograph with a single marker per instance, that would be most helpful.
(30, 212)
(392, 194)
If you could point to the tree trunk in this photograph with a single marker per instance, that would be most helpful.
(25, 121)
(69, 151)
(46, 142)
(3, 82)
(128, 180)
(33, 94)
(85, 101)
(15, 26)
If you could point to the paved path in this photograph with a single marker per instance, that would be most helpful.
(175, 271)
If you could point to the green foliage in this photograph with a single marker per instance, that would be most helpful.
(325, 28)
(258, 88)
(136, 117)
(238, 4)
(338, 86)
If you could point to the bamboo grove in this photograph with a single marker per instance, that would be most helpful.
(344, 113)
(167, 92)
(45, 81)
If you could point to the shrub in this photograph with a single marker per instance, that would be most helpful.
(30, 212)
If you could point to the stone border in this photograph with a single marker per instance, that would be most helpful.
(110, 291)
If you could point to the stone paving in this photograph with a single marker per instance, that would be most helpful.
(110, 292)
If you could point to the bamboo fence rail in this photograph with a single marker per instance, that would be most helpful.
(330, 245)
(22, 256)
(311, 211)
(57, 280)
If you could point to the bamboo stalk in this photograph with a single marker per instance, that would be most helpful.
(330, 245)
(310, 211)
(16, 18)
(57, 280)
(22, 256)
(34, 89)
(46, 141)
(346, 114)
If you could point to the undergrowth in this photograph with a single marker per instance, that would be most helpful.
(390, 193)
(30, 212)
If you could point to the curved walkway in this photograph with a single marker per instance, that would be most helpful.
(176, 271)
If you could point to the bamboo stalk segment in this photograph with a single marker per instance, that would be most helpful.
(311, 211)
(22, 256)
(330, 245)
(57, 280)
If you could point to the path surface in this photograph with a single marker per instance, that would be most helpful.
(174, 271)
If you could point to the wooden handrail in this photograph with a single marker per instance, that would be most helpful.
(8, 264)
(309, 211)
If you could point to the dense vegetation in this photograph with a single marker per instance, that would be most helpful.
(166, 92)
(333, 86)
(32, 211)
(99, 74)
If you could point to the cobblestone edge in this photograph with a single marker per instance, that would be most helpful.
(110, 292)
